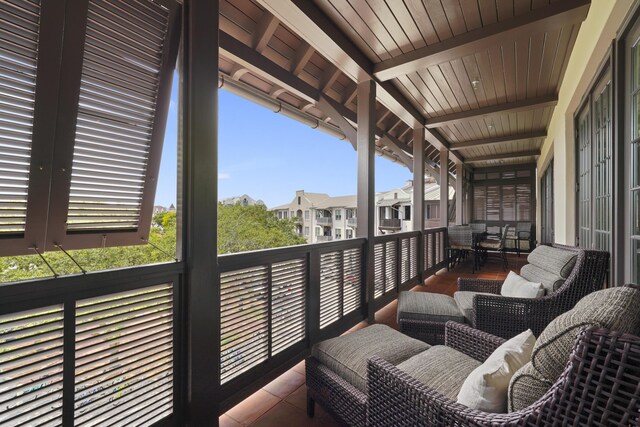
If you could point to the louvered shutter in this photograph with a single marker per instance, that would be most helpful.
(31, 367)
(128, 56)
(508, 202)
(29, 48)
(494, 203)
(479, 203)
(124, 357)
(523, 202)
(19, 29)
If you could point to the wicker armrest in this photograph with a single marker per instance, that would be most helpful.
(470, 341)
(479, 285)
(508, 316)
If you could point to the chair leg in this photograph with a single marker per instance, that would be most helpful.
(311, 407)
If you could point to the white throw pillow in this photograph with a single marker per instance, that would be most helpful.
(517, 286)
(486, 386)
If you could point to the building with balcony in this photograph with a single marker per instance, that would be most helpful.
(243, 200)
(528, 109)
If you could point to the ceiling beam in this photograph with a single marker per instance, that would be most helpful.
(306, 19)
(479, 113)
(303, 55)
(329, 78)
(498, 140)
(402, 155)
(266, 27)
(260, 65)
(503, 156)
(539, 20)
(328, 106)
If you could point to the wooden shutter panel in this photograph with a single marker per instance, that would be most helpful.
(114, 143)
(30, 50)
(19, 30)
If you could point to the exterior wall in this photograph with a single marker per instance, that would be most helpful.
(591, 50)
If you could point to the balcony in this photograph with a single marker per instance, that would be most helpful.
(352, 222)
(390, 224)
(324, 220)
(324, 238)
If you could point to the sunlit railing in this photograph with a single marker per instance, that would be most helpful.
(325, 220)
(275, 304)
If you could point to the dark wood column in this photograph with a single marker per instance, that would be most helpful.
(366, 181)
(200, 189)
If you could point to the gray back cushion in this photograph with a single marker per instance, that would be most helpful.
(550, 281)
(617, 309)
(554, 260)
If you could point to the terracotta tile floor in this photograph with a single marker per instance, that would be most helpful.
(282, 403)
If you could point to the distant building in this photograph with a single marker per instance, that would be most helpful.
(172, 208)
(243, 200)
(321, 218)
(159, 209)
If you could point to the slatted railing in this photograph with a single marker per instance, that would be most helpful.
(275, 304)
(78, 355)
(396, 264)
(435, 242)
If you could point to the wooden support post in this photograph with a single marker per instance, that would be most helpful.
(444, 188)
(460, 219)
(200, 190)
(418, 190)
(366, 183)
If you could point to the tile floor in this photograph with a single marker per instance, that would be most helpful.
(282, 403)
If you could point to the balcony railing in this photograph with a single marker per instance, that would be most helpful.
(352, 222)
(392, 223)
(125, 331)
(276, 304)
(324, 220)
(324, 238)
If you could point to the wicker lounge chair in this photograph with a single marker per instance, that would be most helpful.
(566, 284)
(600, 384)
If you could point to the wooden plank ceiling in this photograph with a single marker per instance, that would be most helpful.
(481, 75)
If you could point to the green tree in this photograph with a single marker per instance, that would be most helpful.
(240, 228)
(249, 228)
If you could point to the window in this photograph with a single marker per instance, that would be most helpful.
(338, 233)
(338, 214)
(306, 231)
(407, 213)
(511, 201)
(285, 214)
(594, 168)
(293, 214)
(106, 131)
(318, 231)
(349, 233)
(351, 213)
(306, 215)
(546, 204)
(318, 214)
(299, 200)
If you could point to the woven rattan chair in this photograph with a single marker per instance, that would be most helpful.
(508, 316)
(460, 244)
(600, 386)
(496, 246)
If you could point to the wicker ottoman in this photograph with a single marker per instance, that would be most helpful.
(422, 315)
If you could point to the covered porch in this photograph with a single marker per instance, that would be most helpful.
(526, 108)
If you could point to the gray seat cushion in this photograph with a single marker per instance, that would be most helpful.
(441, 368)
(526, 387)
(554, 260)
(347, 355)
(550, 281)
(428, 306)
(464, 301)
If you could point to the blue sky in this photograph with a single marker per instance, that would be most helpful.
(269, 156)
